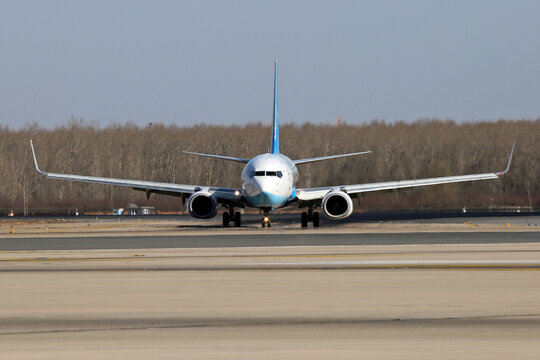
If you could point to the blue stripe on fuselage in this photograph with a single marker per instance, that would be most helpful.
(293, 194)
(266, 199)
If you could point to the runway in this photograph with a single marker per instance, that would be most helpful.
(285, 294)
(405, 301)
(221, 240)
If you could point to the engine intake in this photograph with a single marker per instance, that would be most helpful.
(337, 205)
(202, 205)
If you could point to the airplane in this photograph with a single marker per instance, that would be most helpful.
(269, 181)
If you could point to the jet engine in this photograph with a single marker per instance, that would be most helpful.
(337, 205)
(202, 205)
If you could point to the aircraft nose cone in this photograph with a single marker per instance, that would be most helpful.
(262, 185)
(266, 197)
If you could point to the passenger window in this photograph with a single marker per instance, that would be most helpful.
(271, 173)
(259, 173)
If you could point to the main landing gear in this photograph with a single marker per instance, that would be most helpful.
(232, 216)
(308, 216)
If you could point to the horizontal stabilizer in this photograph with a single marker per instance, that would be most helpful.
(230, 158)
(304, 161)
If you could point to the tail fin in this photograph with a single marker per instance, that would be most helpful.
(275, 124)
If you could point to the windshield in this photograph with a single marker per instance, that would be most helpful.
(279, 174)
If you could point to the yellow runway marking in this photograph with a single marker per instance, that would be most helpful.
(321, 269)
(504, 268)
(306, 255)
(73, 259)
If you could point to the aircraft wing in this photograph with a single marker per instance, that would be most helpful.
(313, 194)
(221, 194)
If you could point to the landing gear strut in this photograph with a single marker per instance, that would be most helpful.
(237, 219)
(232, 216)
(308, 216)
(266, 219)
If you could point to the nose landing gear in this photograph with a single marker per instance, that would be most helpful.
(266, 218)
(266, 221)
(308, 216)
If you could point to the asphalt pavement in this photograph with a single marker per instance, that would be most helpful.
(269, 239)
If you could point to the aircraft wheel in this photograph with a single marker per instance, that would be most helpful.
(237, 219)
(303, 219)
(316, 219)
(263, 223)
(226, 219)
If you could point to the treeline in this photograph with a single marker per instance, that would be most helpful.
(400, 151)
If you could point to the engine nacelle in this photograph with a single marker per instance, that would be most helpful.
(337, 205)
(202, 205)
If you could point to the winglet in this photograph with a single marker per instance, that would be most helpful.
(35, 161)
(509, 160)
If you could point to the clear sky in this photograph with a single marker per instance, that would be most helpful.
(189, 62)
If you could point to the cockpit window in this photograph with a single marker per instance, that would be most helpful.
(279, 174)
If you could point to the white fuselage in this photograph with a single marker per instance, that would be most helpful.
(269, 180)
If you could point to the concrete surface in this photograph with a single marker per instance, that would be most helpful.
(404, 300)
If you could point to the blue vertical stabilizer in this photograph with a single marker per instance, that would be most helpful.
(275, 123)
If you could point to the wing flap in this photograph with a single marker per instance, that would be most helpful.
(178, 188)
(318, 193)
(390, 185)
